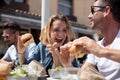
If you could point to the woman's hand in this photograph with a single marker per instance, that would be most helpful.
(53, 49)
(64, 55)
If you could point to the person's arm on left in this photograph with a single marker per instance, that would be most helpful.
(21, 50)
(7, 59)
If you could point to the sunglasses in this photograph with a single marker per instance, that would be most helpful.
(92, 8)
(5, 35)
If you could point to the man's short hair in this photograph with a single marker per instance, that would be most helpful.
(13, 26)
(115, 8)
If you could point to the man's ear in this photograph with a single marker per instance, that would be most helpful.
(17, 33)
(107, 11)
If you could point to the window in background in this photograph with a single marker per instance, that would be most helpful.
(65, 7)
(19, 1)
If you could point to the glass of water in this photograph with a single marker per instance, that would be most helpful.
(69, 73)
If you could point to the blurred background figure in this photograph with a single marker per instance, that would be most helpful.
(3, 46)
(11, 31)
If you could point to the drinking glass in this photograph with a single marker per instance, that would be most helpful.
(69, 73)
(55, 74)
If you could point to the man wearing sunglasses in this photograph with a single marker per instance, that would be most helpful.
(105, 19)
(11, 31)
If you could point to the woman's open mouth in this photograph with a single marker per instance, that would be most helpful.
(59, 40)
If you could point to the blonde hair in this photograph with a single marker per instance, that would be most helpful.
(45, 32)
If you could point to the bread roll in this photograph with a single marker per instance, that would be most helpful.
(4, 68)
(77, 51)
(27, 38)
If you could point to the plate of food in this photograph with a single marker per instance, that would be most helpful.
(20, 73)
(33, 71)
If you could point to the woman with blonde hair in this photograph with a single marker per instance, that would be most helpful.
(55, 33)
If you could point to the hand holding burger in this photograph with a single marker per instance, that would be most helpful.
(77, 51)
(27, 39)
(23, 42)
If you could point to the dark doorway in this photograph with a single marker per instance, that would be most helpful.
(36, 35)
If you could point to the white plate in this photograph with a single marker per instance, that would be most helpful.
(49, 78)
(21, 78)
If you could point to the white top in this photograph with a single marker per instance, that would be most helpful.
(108, 68)
(12, 55)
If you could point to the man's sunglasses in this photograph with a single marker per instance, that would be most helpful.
(92, 8)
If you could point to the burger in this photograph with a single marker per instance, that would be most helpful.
(77, 51)
(27, 38)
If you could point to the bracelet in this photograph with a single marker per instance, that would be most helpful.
(21, 53)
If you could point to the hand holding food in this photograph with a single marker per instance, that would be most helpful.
(77, 51)
(27, 39)
(23, 42)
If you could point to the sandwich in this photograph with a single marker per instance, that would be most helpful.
(27, 39)
(77, 51)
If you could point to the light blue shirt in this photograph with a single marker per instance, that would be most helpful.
(42, 55)
(12, 55)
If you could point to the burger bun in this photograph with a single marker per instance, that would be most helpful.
(77, 51)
